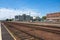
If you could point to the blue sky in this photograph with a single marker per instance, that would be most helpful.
(39, 7)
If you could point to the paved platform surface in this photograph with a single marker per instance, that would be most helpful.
(5, 34)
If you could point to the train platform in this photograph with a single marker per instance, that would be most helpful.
(0, 32)
(4, 34)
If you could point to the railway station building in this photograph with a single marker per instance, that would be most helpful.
(54, 17)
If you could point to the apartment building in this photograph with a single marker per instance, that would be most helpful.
(23, 17)
(55, 17)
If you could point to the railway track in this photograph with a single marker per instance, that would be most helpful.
(23, 35)
(52, 29)
(31, 30)
(25, 24)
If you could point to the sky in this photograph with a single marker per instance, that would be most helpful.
(10, 8)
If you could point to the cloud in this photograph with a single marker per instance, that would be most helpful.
(10, 13)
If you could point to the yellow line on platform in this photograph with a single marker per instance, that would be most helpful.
(0, 32)
(9, 32)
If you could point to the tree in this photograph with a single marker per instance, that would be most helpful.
(44, 17)
(9, 19)
(37, 18)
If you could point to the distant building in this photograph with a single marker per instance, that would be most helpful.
(55, 17)
(23, 17)
(17, 17)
